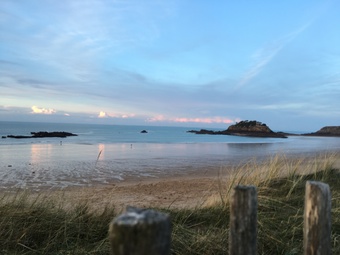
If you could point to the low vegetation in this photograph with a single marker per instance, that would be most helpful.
(42, 225)
(247, 124)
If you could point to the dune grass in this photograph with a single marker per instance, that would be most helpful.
(280, 183)
(42, 225)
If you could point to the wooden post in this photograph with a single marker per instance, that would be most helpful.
(243, 221)
(317, 219)
(141, 232)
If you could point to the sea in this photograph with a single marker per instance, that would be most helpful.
(104, 154)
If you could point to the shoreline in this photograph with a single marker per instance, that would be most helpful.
(175, 191)
(46, 166)
(194, 188)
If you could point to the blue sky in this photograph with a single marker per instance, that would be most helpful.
(176, 62)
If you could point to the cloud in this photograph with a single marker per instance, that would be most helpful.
(102, 115)
(125, 116)
(212, 120)
(264, 55)
(37, 110)
(72, 37)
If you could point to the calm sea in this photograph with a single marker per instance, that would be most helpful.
(102, 154)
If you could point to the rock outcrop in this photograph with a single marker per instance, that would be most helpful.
(326, 131)
(244, 128)
(249, 127)
(43, 134)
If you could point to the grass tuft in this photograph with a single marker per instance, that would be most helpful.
(280, 184)
(39, 225)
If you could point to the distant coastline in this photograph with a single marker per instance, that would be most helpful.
(332, 131)
(241, 129)
(257, 129)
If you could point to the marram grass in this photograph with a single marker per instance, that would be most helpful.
(43, 225)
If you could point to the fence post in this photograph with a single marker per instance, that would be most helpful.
(141, 232)
(317, 219)
(243, 221)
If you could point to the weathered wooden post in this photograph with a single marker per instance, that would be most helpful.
(142, 232)
(317, 219)
(243, 221)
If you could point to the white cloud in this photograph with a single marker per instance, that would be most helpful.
(208, 120)
(73, 36)
(265, 55)
(37, 110)
(102, 115)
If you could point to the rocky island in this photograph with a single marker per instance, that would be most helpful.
(244, 128)
(326, 131)
(42, 134)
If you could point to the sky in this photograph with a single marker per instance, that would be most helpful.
(194, 63)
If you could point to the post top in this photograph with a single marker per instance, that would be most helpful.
(134, 216)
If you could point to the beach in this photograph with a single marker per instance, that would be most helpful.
(165, 167)
(194, 188)
(41, 166)
(171, 192)
(197, 201)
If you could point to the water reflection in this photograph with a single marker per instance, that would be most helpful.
(249, 148)
(40, 153)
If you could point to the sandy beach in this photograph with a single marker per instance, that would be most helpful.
(142, 174)
(173, 191)
(196, 188)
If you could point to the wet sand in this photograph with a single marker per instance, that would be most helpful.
(196, 188)
(193, 186)
(42, 166)
(188, 190)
